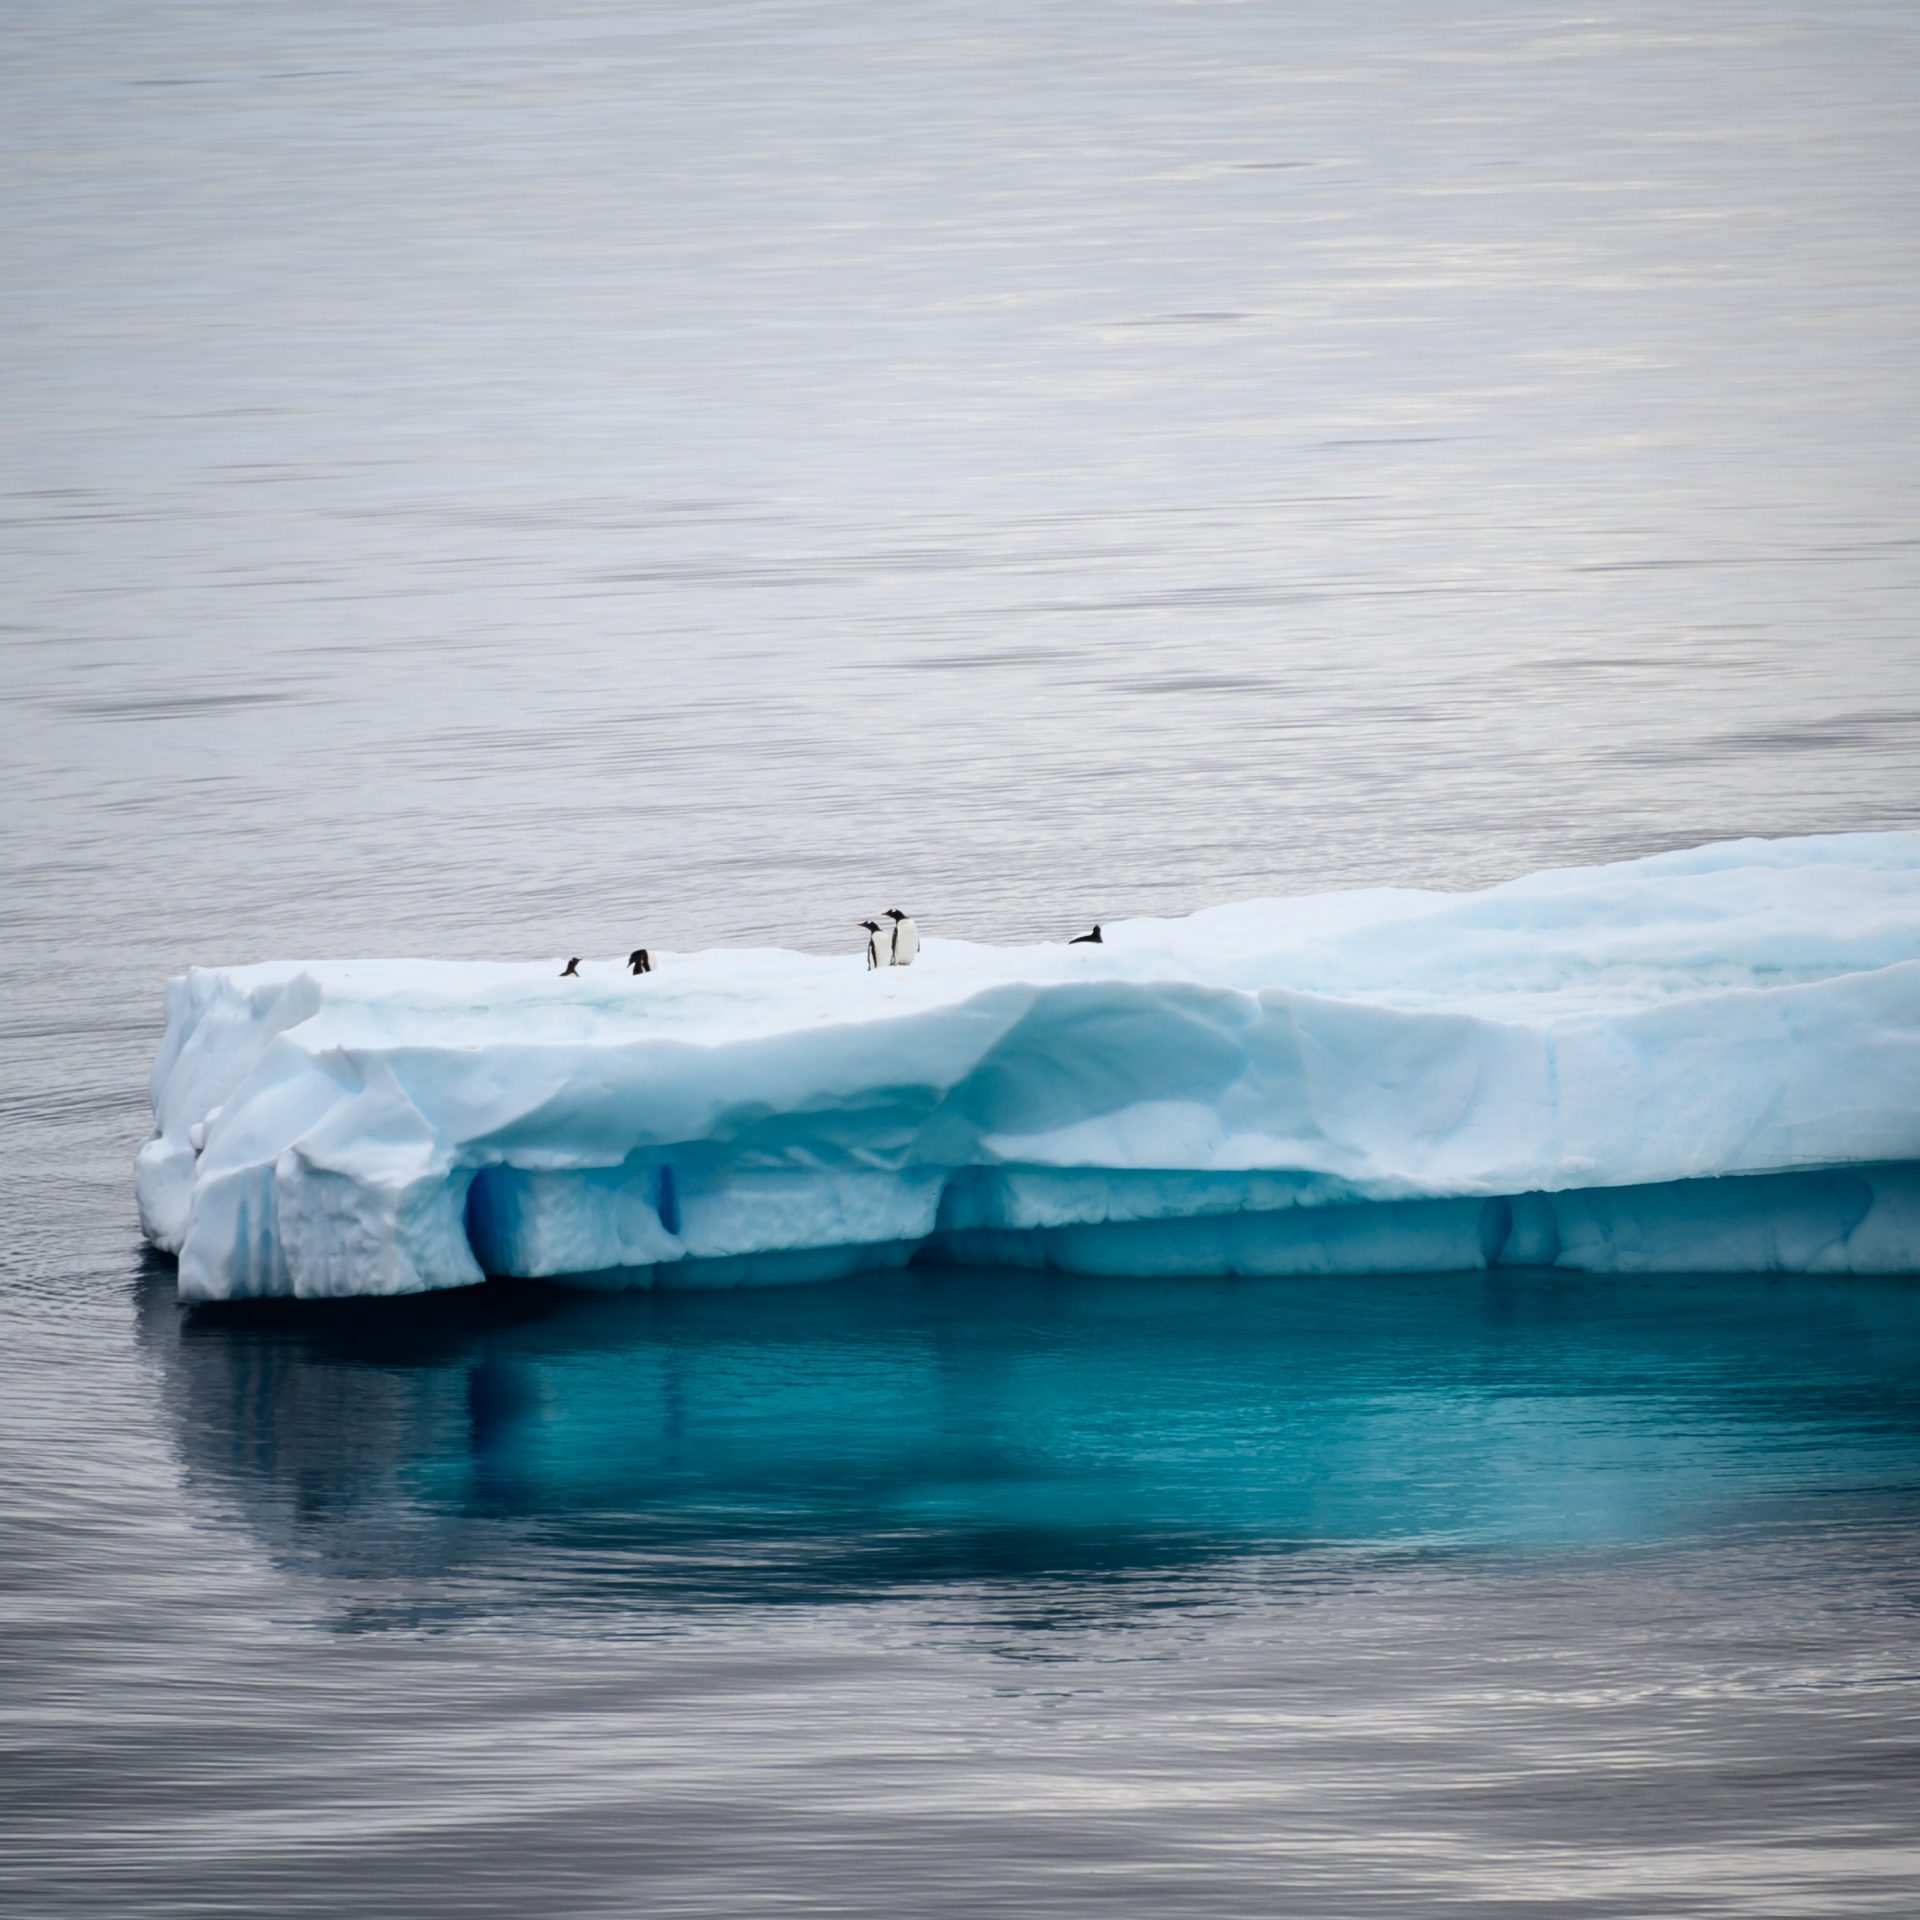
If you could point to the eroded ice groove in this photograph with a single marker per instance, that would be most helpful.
(1709, 1060)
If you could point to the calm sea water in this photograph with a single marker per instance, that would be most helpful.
(492, 480)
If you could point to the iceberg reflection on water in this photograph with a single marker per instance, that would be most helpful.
(522, 1446)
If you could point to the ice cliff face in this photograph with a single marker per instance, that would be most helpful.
(1569, 1068)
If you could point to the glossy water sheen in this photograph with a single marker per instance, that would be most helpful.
(486, 479)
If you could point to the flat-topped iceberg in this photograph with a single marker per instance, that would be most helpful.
(1708, 1060)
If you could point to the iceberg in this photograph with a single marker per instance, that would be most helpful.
(1706, 1061)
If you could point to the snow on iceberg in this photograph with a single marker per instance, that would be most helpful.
(1708, 1060)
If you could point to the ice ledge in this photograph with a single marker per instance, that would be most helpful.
(1704, 1061)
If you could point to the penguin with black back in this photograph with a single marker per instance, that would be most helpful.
(1092, 939)
(877, 954)
(639, 961)
(906, 938)
(571, 971)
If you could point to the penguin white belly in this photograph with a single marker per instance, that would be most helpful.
(906, 942)
(877, 954)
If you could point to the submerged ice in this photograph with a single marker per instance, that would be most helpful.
(1708, 1060)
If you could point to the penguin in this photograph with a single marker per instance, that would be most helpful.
(571, 971)
(906, 938)
(639, 961)
(876, 953)
(1088, 939)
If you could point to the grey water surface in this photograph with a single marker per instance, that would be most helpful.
(485, 479)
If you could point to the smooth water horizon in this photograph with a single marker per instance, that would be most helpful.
(481, 481)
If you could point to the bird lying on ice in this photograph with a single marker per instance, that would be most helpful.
(1092, 939)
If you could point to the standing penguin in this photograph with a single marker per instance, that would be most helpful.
(1092, 939)
(906, 938)
(639, 961)
(571, 971)
(876, 950)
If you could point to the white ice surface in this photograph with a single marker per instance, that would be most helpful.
(1566, 1068)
